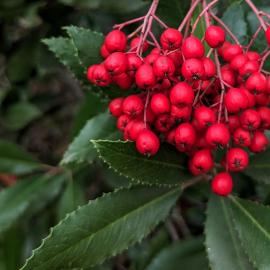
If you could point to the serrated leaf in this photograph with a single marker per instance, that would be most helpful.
(80, 150)
(87, 44)
(27, 197)
(163, 169)
(64, 50)
(252, 223)
(15, 160)
(103, 228)
(234, 18)
(222, 241)
(188, 254)
(259, 167)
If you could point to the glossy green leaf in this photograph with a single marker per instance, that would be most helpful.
(259, 167)
(234, 18)
(103, 228)
(252, 223)
(222, 241)
(27, 197)
(163, 169)
(81, 150)
(14, 160)
(188, 254)
(87, 44)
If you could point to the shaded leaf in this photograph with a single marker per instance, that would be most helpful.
(163, 169)
(118, 219)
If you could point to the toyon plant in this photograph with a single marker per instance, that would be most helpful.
(180, 117)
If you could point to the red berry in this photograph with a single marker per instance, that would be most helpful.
(182, 95)
(228, 76)
(164, 123)
(193, 69)
(160, 104)
(234, 123)
(90, 72)
(267, 35)
(181, 114)
(176, 57)
(201, 162)
(192, 47)
(251, 98)
(170, 137)
(259, 142)
(132, 106)
(256, 83)
(264, 113)
(151, 58)
(136, 41)
(116, 63)
(145, 76)
(100, 76)
(262, 99)
(217, 135)
(122, 122)
(185, 137)
(235, 100)
(204, 117)
(238, 61)
(163, 67)
(231, 51)
(248, 68)
(241, 137)
(147, 143)
(209, 67)
(116, 41)
(123, 80)
(222, 184)
(253, 56)
(171, 39)
(135, 129)
(214, 36)
(104, 52)
(115, 107)
(237, 159)
(250, 119)
(133, 63)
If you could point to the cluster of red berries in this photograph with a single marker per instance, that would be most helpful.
(195, 102)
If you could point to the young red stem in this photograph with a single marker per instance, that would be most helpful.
(266, 55)
(160, 21)
(253, 38)
(145, 108)
(154, 39)
(121, 25)
(202, 13)
(135, 32)
(226, 28)
(206, 15)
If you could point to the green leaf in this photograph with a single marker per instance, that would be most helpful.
(65, 51)
(222, 241)
(163, 169)
(14, 160)
(27, 197)
(234, 18)
(252, 223)
(20, 115)
(259, 167)
(80, 150)
(188, 254)
(103, 228)
(87, 44)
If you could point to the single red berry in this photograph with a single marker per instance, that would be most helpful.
(171, 39)
(201, 162)
(136, 41)
(256, 83)
(259, 142)
(160, 104)
(122, 122)
(145, 76)
(181, 114)
(176, 57)
(133, 63)
(185, 137)
(147, 143)
(193, 69)
(233, 123)
(242, 137)
(192, 47)
(150, 116)
(164, 123)
(235, 100)
(249, 68)
(221, 49)
(250, 97)
(100, 76)
(204, 116)
(222, 184)
(115, 106)
(163, 67)
(253, 56)
(238, 61)
(151, 58)
(123, 80)
(155, 51)
(116, 63)
(182, 95)
(209, 67)
(231, 51)
(170, 137)
(267, 35)
(133, 106)
(214, 36)
(126, 132)
(228, 75)
(104, 51)
(262, 99)
(136, 128)
(250, 119)
(90, 72)
(116, 41)
(268, 85)
(237, 159)
(264, 113)
(217, 135)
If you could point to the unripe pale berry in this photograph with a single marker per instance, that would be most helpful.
(237, 159)
(171, 39)
(160, 104)
(222, 184)
(147, 143)
(116, 41)
(214, 36)
(192, 47)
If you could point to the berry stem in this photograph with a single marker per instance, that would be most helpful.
(122, 25)
(145, 108)
(253, 38)
(160, 21)
(219, 21)
(266, 55)
(206, 15)
(154, 39)
(135, 32)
